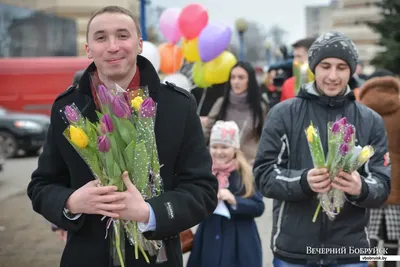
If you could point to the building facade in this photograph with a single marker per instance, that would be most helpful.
(79, 10)
(351, 18)
(319, 18)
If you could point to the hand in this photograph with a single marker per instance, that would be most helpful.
(319, 181)
(62, 234)
(226, 195)
(136, 209)
(203, 120)
(91, 199)
(348, 183)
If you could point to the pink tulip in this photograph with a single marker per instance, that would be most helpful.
(104, 94)
(71, 114)
(148, 108)
(120, 107)
(103, 144)
(107, 123)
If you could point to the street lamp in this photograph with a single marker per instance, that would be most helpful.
(241, 27)
(268, 52)
(143, 4)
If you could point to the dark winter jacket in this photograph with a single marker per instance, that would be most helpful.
(281, 166)
(190, 188)
(235, 242)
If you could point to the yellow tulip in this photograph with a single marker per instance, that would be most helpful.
(310, 133)
(137, 102)
(78, 137)
(365, 154)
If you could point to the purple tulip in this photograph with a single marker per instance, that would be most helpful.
(120, 107)
(349, 130)
(103, 143)
(71, 114)
(148, 108)
(344, 149)
(105, 96)
(107, 122)
(336, 127)
(342, 121)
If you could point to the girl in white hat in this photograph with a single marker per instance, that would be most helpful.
(230, 237)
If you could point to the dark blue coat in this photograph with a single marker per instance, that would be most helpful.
(235, 242)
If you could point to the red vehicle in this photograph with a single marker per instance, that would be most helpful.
(30, 85)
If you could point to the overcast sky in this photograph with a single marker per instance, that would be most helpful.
(289, 14)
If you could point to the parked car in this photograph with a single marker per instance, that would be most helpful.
(22, 131)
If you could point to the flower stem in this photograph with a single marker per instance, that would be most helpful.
(135, 237)
(118, 244)
(144, 254)
(316, 213)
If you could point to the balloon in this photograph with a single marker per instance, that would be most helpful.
(198, 75)
(171, 58)
(192, 20)
(217, 70)
(190, 50)
(179, 80)
(213, 40)
(169, 26)
(150, 52)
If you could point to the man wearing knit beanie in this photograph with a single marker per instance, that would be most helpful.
(284, 169)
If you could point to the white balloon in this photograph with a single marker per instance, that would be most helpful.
(179, 80)
(150, 51)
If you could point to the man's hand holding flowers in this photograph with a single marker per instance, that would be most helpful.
(91, 199)
(348, 183)
(319, 181)
(136, 209)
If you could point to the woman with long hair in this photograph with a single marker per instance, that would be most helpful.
(241, 103)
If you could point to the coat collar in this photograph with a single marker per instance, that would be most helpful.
(148, 77)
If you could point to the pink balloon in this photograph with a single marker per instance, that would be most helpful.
(169, 25)
(192, 20)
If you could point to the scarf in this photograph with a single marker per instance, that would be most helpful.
(223, 171)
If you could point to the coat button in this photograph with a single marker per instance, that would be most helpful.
(217, 237)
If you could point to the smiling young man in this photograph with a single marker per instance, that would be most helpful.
(63, 189)
(284, 169)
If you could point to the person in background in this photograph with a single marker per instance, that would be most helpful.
(205, 99)
(222, 241)
(284, 169)
(241, 103)
(381, 93)
(300, 54)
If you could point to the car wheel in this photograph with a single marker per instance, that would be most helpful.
(10, 146)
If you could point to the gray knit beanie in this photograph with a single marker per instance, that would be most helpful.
(336, 45)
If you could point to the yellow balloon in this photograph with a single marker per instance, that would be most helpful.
(198, 75)
(190, 50)
(217, 70)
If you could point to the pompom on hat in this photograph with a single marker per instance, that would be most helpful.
(226, 133)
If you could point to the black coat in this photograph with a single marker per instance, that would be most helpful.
(234, 242)
(280, 171)
(191, 189)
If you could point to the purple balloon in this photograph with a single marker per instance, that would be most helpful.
(213, 40)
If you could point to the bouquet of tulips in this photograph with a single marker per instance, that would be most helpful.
(302, 74)
(123, 139)
(342, 154)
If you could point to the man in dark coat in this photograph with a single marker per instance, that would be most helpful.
(284, 167)
(63, 189)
